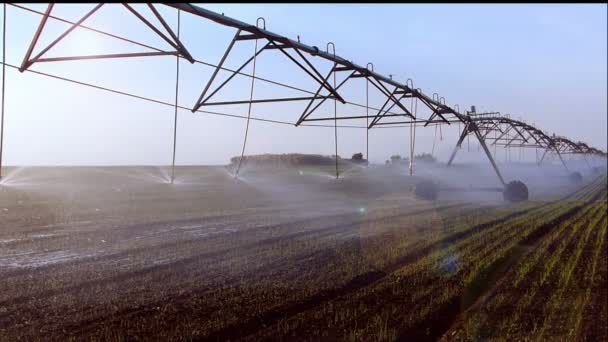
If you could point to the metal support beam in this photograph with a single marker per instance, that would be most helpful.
(586, 161)
(381, 113)
(318, 78)
(543, 156)
(485, 148)
(465, 132)
(435, 110)
(26, 59)
(375, 119)
(152, 27)
(287, 99)
(180, 47)
(520, 134)
(234, 73)
(108, 56)
(323, 100)
(511, 140)
(332, 90)
(503, 134)
(390, 95)
(217, 69)
(562, 160)
(305, 113)
(63, 35)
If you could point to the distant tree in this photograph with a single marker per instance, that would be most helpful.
(395, 158)
(425, 157)
(358, 156)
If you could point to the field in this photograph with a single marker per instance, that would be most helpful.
(105, 253)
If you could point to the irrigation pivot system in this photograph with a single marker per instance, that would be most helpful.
(320, 65)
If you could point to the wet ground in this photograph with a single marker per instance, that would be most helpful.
(78, 243)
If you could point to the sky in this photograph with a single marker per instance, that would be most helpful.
(545, 64)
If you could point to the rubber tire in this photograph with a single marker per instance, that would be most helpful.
(515, 191)
(576, 177)
(427, 190)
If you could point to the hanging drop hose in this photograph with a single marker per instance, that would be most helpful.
(367, 121)
(336, 127)
(367, 114)
(176, 98)
(410, 83)
(434, 140)
(414, 137)
(411, 137)
(335, 109)
(255, 52)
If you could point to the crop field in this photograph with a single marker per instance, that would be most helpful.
(116, 253)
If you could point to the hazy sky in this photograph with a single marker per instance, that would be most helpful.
(544, 63)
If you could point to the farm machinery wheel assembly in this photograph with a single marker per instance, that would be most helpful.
(515, 191)
(427, 190)
(576, 177)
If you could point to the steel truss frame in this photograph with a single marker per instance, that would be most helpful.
(173, 40)
(511, 133)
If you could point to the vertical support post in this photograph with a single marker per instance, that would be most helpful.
(255, 53)
(505, 147)
(468, 141)
(586, 161)
(494, 144)
(521, 150)
(465, 133)
(434, 141)
(561, 159)
(509, 148)
(176, 98)
(485, 148)
(543, 156)
(3, 84)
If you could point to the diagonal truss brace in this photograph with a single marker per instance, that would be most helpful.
(471, 127)
(308, 111)
(28, 60)
(307, 67)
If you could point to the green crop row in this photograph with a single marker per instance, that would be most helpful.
(542, 297)
(419, 287)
